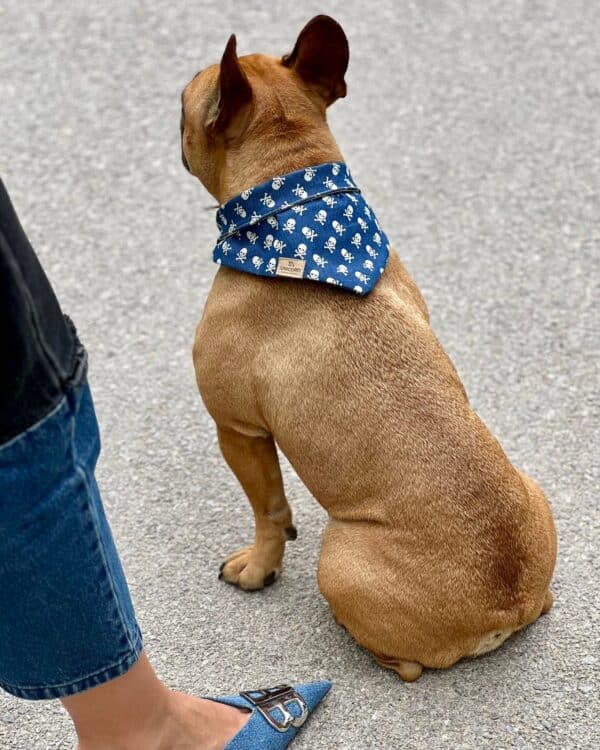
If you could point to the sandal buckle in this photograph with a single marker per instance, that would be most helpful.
(275, 705)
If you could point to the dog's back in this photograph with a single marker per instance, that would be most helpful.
(428, 515)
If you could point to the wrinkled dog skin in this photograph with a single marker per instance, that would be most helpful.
(436, 547)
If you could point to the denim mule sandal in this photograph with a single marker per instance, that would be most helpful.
(277, 714)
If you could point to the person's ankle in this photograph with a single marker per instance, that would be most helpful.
(148, 733)
(127, 713)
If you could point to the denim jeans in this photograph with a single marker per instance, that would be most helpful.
(66, 618)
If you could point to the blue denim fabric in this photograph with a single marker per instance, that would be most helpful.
(66, 618)
(259, 733)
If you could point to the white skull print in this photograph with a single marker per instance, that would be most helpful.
(321, 217)
(242, 255)
(257, 261)
(301, 251)
(330, 244)
(300, 192)
(289, 226)
(319, 260)
(267, 201)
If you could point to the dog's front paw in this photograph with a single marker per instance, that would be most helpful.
(250, 571)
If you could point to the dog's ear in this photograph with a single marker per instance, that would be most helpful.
(234, 95)
(320, 57)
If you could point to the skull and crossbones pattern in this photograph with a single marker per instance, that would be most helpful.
(315, 218)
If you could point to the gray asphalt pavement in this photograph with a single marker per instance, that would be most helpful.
(473, 127)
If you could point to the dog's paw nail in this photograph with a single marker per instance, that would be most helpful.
(221, 566)
(291, 532)
(270, 579)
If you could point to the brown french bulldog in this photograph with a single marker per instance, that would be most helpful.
(436, 547)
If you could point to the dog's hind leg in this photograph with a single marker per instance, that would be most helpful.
(254, 461)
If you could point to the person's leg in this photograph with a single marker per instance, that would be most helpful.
(40, 354)
(67, 624)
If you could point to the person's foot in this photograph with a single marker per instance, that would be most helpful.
(137, 712)
(187, 723)
(198, 724)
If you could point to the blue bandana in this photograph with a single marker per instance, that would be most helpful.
(311, 224)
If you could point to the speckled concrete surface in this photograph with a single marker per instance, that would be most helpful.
(473, 128)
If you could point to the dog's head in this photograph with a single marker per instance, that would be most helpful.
(248, 118)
